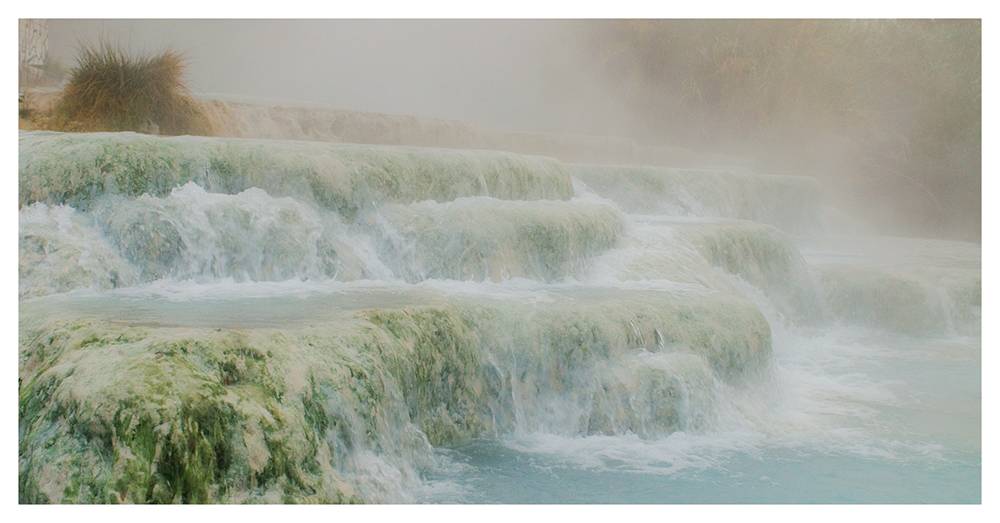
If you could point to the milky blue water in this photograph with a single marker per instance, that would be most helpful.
(910, 435)
(495, 473)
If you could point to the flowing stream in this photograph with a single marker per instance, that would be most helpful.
(228, 320)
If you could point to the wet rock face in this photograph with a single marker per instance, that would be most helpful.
(113, 413)
(61, 251)
(488, 239)
(76, 169)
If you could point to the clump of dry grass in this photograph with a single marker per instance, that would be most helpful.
(111, 90)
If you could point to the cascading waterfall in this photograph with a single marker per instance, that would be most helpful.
(208, 319)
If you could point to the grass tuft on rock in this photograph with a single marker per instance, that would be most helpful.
(112, 90)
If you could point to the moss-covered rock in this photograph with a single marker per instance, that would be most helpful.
(117, 412)
(490, 239)
(764, 257)
(78, 168)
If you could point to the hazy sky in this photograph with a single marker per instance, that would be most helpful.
(531, 75)
(866, 103)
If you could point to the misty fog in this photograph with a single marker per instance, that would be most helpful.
(520, 75)
(508, 261)
(886, 111)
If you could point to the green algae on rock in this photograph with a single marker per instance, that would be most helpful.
(764, 257)
(489, 239)
(77, 168)
(113, 412)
